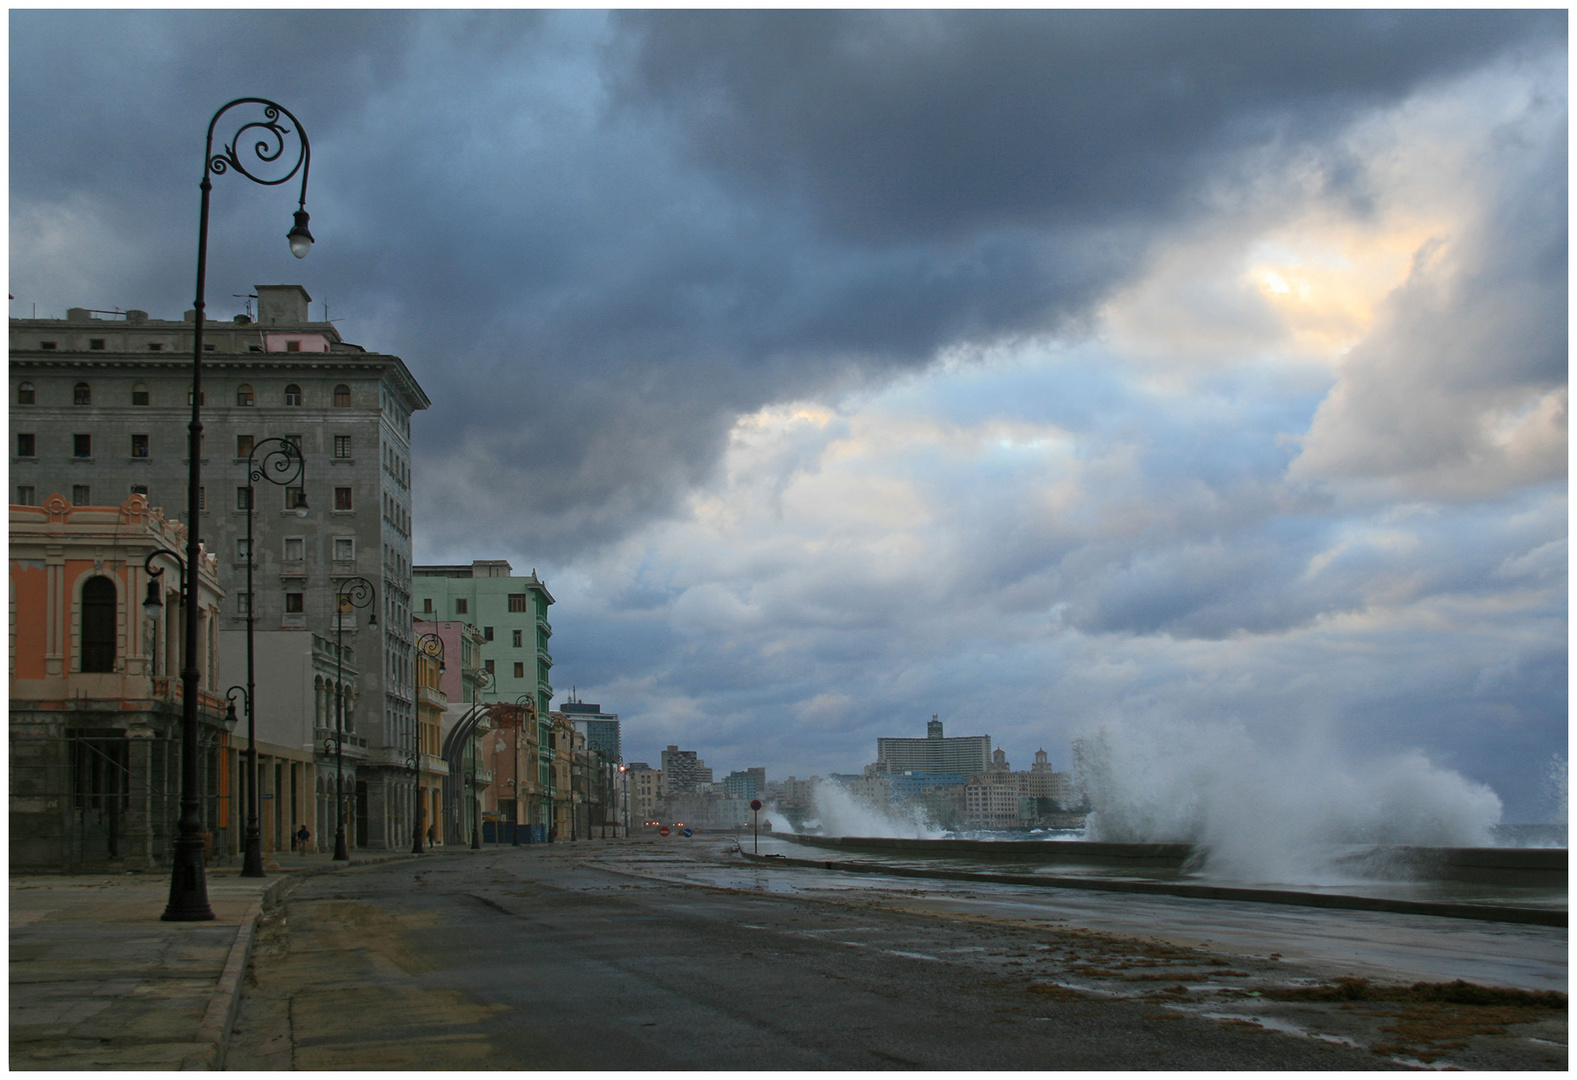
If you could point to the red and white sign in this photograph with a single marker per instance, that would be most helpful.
(663, 831)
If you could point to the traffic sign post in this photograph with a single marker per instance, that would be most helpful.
(755, 814)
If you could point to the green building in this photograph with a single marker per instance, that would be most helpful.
(512, 613)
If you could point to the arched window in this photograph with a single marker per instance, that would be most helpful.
(243, 394)
(292, 394)
(98, 624)
(24, 393)
(139, 394)
(82, 394)
(342, 396)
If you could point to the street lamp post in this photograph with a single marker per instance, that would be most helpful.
(188, 882)
(430, 645)
(282, 464)
(525, 703)
(484, 684)
(350, 594)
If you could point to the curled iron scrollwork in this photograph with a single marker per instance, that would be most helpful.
(281, 464)
(270, 138)
(355, 592)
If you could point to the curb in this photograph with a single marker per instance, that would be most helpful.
(1479, 912)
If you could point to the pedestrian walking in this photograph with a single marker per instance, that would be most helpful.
(299, 841)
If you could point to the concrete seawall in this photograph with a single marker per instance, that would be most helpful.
(1540, 867)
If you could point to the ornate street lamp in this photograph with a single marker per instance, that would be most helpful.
(484, 684)
(269, 139)
(430, 645)
(283, 464)
(350, 594)
(525, 703)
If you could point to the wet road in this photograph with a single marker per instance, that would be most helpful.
(1375, 945)
(677, 955)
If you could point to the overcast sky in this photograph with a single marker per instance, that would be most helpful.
(1195, 377)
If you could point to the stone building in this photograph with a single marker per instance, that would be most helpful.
(100, 406)
(96, 691)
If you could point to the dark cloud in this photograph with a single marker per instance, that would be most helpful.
(664, 219)
(896, 125)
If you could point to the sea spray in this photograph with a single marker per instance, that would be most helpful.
(1261, 815)
(835, 811)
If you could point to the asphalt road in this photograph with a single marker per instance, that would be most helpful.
(634, 955)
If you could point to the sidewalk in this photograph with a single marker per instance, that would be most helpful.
(99, 981)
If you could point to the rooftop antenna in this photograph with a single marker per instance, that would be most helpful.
(248, 297)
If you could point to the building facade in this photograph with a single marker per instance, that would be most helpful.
(934, 754)
(100, 405)
(684, 773)
(96, 689)
(511, 612)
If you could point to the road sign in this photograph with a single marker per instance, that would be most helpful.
(689, 832)
(755, 804)
(663, 831)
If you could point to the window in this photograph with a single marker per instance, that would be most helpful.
(295, 548)
(81, 495)
(24, 393)
(26, 495)
(82, 446)
(342, 500)
(98, 624)
(82, 394)
(139, 446)
(50, 345)
(243, 446)
(460, 606)
(98, 343)
(140, 489)
(292, 394)
(243, 498)
(202, 498)
(241, 549)
(154, 346)
(488, 664)
(517, 602)
(203, 397)
(342, 396)
(243, 603)
(293, 497)
(243, 394)
(342, 446)
(517, 639)
(26, 445)
(520, 670)
(295, 603)
(292, 346)
(344, 548)
(139, 393)
(427, 604)
(294, 440)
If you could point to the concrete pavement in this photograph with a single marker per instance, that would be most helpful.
(99, 981)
